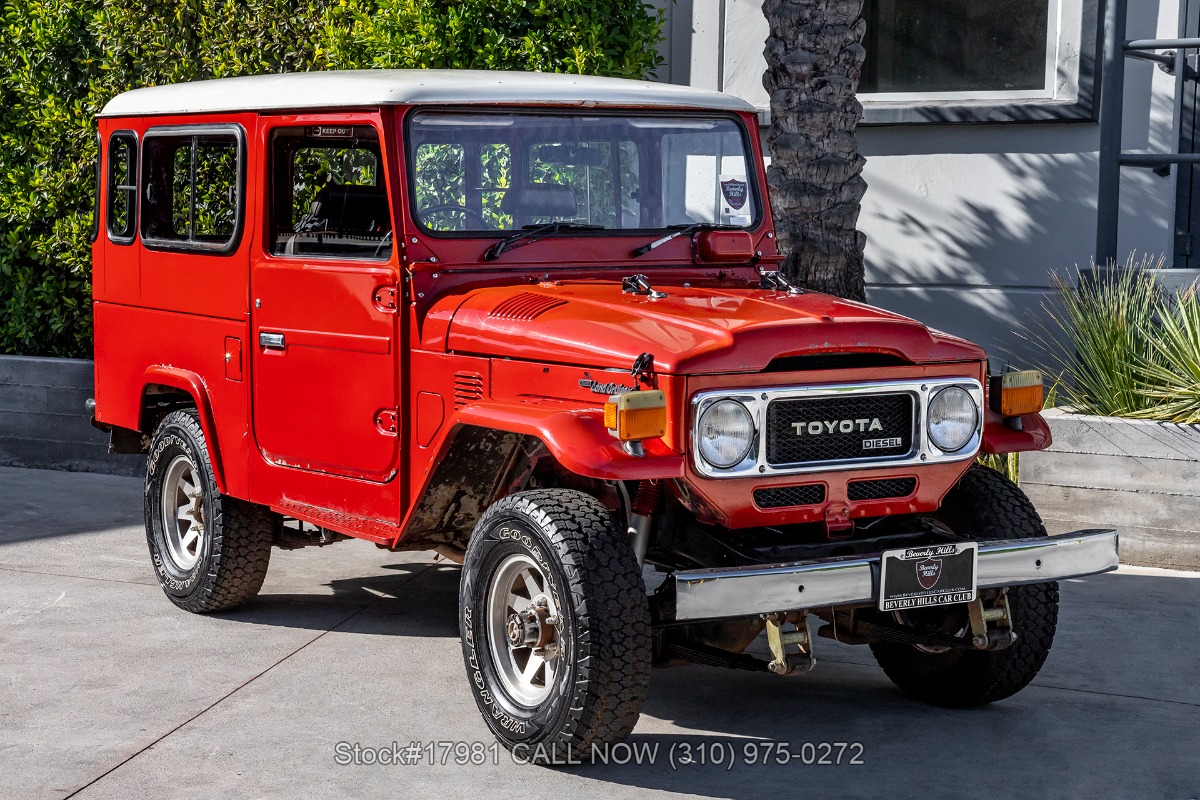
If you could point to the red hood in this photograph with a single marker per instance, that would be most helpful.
(693, 330)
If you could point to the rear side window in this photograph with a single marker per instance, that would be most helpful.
(193, 182)
(122, 187)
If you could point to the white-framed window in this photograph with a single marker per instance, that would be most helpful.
(930, 60)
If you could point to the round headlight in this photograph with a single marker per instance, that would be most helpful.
(953, 418)
(726, 433)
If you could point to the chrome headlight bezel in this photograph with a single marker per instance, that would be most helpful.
(964, 419)
(748, 435)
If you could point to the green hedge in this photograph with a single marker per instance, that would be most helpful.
(66, 58)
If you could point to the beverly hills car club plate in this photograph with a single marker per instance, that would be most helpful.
(938, 575)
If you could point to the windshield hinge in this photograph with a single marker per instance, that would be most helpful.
(640, 284)
(777, 281)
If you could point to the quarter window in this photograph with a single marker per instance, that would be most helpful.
(193, 189)
(122, 187)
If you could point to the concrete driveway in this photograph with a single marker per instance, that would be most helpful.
(110, 691)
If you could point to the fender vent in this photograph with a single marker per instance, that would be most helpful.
(787, 496)
(468, 387)
(525, 306)
(885, 489)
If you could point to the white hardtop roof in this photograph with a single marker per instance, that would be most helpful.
(379, 87)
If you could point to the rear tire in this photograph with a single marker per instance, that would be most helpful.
(555, 625)
(983, 505)
(210, 552)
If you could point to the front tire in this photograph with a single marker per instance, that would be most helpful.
(982, 505)
(210, 552)
(555, 625)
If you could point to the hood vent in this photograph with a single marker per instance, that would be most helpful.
(468, 387)
(525, 306)
(834, 361)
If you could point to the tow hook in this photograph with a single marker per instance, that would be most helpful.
(783, 662)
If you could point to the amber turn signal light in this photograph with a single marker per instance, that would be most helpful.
(636, 415)
(1015, 393)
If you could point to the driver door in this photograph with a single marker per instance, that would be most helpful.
(323, 319)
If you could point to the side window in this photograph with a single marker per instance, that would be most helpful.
(441, 186)
(192, 195)
(442, 176)
(122, 187)
(328, 196)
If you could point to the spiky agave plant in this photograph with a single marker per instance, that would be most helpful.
(1170, 374)
(1099, 337)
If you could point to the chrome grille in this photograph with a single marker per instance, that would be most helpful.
(838, 428)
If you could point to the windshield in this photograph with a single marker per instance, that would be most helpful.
(505, 172)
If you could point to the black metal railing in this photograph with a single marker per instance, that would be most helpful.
(1117, 49)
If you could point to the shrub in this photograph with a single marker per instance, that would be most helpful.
(64, 59)
(1123, 346)
(601, 37)
(1171, 373)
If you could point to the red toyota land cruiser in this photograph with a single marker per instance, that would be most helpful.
(536, 323)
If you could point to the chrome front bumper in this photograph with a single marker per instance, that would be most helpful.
(746, 591)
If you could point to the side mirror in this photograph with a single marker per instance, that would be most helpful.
(724, 247)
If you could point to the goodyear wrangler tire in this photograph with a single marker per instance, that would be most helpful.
(210, 552)
(983, 505)
(555, 625)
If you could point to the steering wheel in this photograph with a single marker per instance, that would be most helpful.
(384, 242)
(451, 207)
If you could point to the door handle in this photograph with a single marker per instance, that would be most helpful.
(271, 341)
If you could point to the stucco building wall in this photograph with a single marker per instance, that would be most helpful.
(966, 223)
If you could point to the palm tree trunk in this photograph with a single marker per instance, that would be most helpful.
(814, 58)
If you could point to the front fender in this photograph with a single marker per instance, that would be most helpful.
(576, 437)
(1000, 438)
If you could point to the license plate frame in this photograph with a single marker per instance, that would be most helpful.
(923, 577)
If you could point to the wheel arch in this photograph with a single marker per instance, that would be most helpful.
(165, 389)
(492, 450)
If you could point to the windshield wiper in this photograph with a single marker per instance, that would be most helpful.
(683, 230)
(531, 233)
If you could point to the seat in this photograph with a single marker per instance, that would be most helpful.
(351, 208)
(540, 200)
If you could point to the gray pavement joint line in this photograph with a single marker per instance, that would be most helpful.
(401, 579)
(5, 567)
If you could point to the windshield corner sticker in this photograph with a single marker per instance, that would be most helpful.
(734, 191)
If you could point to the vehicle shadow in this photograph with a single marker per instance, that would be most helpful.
(410, 599)
(844, 730)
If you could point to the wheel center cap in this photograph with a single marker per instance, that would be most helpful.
(516, 630)
(533, 627)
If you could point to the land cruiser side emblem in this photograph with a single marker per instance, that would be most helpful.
(928, 572)
(820, 427)
(605, 388)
